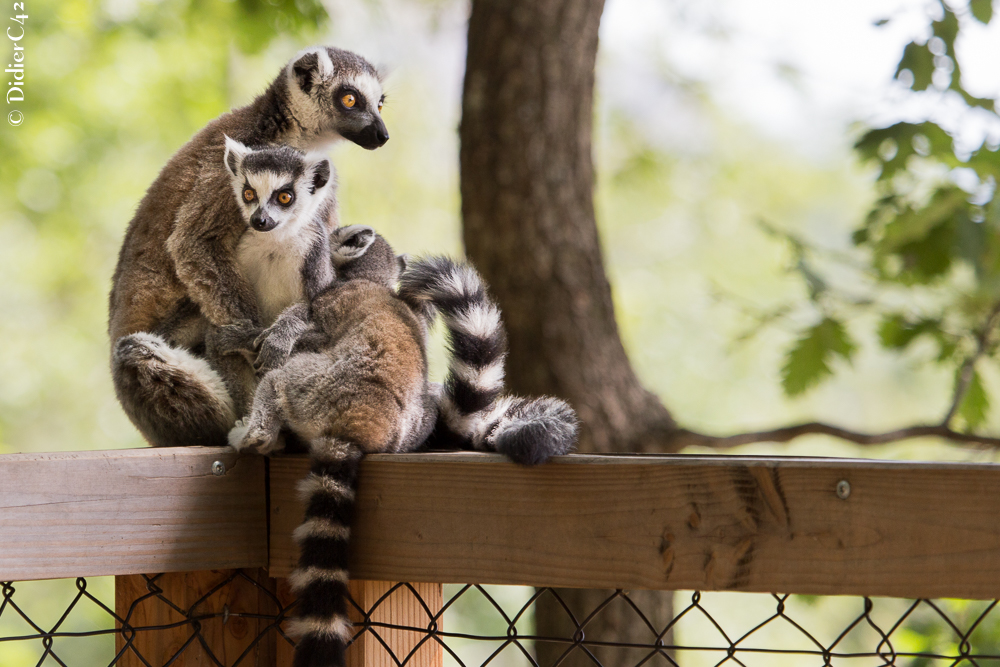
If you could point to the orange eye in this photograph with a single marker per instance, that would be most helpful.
(380, 106)
(285, 198)
(348, 100)
(249, 194)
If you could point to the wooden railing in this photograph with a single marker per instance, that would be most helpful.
(790, 525)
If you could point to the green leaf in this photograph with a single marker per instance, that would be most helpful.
(808, 361)
(920, 61)
(947, 29)
(982, 10)
(896, 332)
(902, 135)
(929, 258)
(975, 404)
(915, 224)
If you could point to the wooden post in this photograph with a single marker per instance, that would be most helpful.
(400, 608)
(215, 599)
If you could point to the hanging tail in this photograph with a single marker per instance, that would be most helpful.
(320, 580)
(173, 397)
(472, 407)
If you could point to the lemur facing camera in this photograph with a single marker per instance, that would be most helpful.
(356, 384)
(185, 263)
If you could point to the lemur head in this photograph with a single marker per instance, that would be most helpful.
(276, 186)
(359, 253)
(336, 93)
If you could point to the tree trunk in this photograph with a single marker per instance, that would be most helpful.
(527, 184)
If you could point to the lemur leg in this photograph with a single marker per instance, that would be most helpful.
(259, 430)
(174, 398)
(231, 350)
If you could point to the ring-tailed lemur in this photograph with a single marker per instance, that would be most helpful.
(179, 268)
(356, 383)
(284, 198)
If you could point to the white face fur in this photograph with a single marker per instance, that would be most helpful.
(278, 189)
(335, 94)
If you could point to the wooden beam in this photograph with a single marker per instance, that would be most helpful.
(668, 522)
(130, 511)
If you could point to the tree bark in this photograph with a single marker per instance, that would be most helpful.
(527, 183)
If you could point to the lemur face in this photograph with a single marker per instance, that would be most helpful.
(277, 187)
(336, 93)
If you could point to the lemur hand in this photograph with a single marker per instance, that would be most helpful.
(275, 343)
(240, 337)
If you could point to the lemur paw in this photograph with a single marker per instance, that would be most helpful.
(273, 354)
(244, 438)
(237, 435)
(236, 338)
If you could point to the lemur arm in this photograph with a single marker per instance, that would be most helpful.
(276, 342)
(202, 246)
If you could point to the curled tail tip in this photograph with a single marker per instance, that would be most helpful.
(446, 283)
(534, 430)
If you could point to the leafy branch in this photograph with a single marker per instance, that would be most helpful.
(933, 232)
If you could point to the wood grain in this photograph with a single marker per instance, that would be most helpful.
(130, 511)
(668, 522)
(400, 608)
(201, 594)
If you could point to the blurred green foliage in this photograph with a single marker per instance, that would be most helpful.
(929, 261)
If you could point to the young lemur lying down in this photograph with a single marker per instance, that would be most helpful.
(356, 383)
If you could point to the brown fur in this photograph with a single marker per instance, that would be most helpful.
(177, 275)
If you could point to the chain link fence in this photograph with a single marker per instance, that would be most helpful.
(74, 623)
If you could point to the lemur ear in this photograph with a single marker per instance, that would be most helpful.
(235, 152)
(348, 243)
(403, 261)
(320, 175)
(311, 67)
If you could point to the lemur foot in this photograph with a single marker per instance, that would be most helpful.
(245, 438)
(137, 347)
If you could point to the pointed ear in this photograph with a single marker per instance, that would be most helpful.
(349, 243)
(235, 152)
(311, 67)
(403, 261)
(321, 173)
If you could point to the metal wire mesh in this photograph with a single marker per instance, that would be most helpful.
(482, 625)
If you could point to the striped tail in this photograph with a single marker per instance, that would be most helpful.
(320, 580)
(472, 406)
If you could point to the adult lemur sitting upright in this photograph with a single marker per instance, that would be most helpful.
(180, 270)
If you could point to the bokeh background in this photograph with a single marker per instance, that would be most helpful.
(724, 128)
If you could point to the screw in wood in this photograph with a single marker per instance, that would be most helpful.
(843, 489)
(218, 468)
